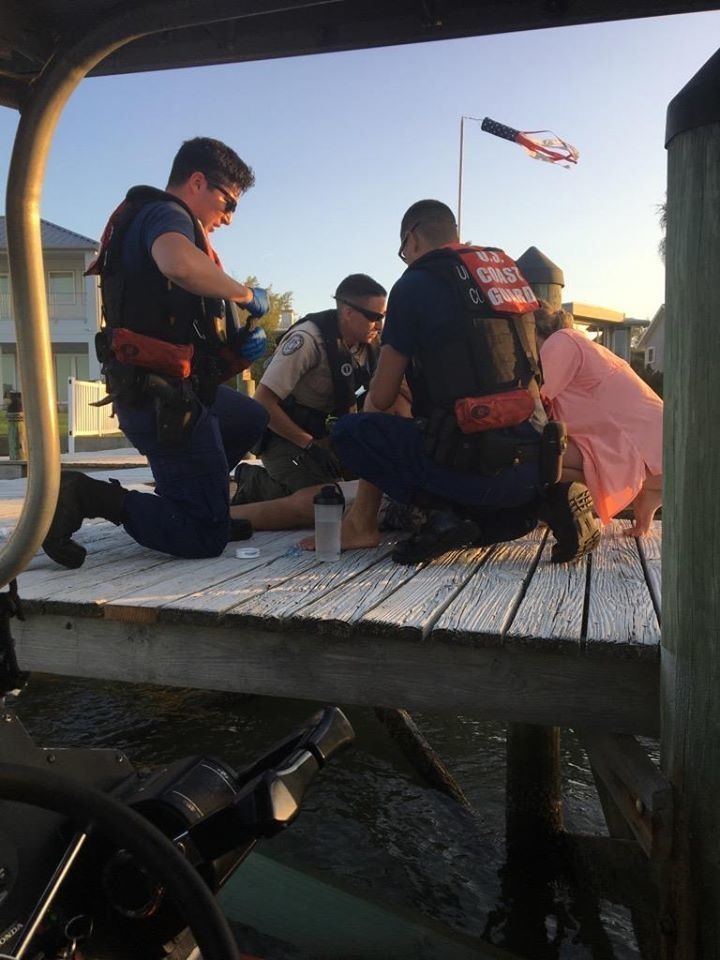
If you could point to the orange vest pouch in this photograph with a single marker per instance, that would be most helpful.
(167, 359)
(496, 410)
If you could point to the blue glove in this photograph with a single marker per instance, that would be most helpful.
(254, 344)
(259, 305)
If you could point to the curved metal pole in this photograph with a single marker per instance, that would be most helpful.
(30, 151)
(39, 117)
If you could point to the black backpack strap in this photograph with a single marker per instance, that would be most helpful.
(363, 373)
(531, 353)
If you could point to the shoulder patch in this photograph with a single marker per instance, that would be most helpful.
(292, 344)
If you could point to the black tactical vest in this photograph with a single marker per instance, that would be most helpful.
(347, 376)
(485, 350)
(147, 302)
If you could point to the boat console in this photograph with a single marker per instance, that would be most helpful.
(100, 860)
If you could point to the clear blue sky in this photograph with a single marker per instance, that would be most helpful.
(342, 144)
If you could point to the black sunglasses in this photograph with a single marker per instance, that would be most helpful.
(230, 201)
(370, 315)
(404, 240)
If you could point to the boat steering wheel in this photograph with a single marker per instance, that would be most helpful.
(91, 810)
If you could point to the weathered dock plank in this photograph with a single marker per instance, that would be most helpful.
(146, 600)
(486, 603)
(209, 604)
(550, 614)
(412, 610)
(621, 618)
(69, 591)
(341, 610)
(282, 600)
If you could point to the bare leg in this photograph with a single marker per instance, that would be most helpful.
(293, 512)
(572, 464)
(645, 505)
(359, 526)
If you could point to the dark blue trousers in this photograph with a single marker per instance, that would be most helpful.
(188, 515)
(389, 452)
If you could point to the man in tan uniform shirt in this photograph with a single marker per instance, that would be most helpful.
(320, 369)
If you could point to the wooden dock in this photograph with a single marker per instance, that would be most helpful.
(499, 632)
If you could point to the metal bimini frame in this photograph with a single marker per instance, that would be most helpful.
(39, 114)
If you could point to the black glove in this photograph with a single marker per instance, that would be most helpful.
(323, 458)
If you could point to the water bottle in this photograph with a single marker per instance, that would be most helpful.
(329, 507)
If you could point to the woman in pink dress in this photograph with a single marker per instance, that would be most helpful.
(614, 420)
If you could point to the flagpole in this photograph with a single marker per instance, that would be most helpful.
(460, 171)
(460, 179)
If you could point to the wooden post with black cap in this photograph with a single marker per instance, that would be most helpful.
(690, 652)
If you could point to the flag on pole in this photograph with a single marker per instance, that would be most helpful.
(539, 144)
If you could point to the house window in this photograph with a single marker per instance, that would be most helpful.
(61, 287)
(5, 297)
(9, 374)
(650, 356)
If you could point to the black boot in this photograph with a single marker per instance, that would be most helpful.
(240, 529)
(80, 498)
(443, 531)
(567, 508)
(502, 524)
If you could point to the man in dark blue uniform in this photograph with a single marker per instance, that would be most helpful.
(439, 332)
(172, 337)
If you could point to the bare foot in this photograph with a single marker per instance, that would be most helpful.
(353, 536)
(645, 506)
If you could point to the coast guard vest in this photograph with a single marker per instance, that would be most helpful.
(149, 321)
(490, 345)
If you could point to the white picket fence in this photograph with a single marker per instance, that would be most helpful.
(84, 420)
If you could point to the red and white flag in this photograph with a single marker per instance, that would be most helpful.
(539, 144)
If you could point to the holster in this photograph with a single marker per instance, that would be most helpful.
(174, 401)
(208, 374)
(314, 421)
(175, 407)
(103, 344)
(487, 453)
(306, 417)
(552, 450)
(122, 382)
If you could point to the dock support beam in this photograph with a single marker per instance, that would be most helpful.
(690, 664)
(533, 800)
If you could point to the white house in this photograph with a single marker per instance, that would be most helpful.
(73, 308)
(653, 342)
